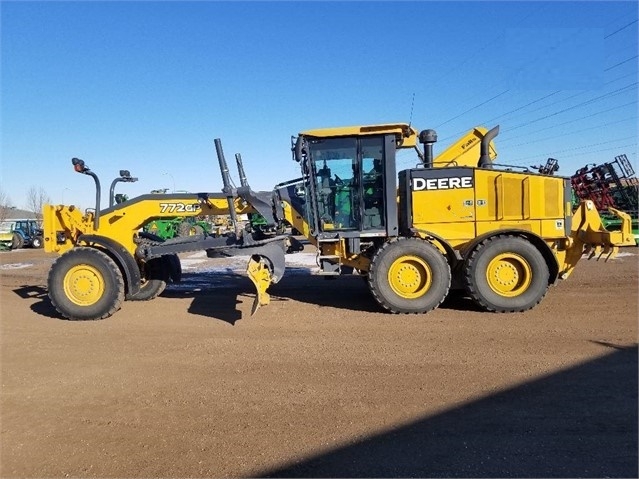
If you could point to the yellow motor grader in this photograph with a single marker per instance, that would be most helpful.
(455, 220)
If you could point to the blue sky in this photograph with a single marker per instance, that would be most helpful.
(148, 86)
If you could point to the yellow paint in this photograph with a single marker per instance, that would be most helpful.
(83, 285)
(509, 275)
(410, 277)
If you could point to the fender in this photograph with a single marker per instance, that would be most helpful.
(452, 254)
(124, 259)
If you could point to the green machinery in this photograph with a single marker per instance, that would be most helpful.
(177, 227)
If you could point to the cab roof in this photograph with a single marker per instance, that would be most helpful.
(406, 134)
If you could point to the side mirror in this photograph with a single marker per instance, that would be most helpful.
(299, 150)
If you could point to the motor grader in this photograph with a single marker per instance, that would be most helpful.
(456, 220)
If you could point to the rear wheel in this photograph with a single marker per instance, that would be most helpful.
(154, 279)
(506, 274)
(85, 284)
(409, 275)
(17, 242)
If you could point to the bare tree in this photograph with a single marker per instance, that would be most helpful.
(36, 199)
(5, 205)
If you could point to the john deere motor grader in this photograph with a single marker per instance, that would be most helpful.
(457, 220)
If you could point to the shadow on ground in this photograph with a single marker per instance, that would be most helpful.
(217, 294)
(579, 422)
(42, 307)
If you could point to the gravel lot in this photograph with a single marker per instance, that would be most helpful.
(320, 383)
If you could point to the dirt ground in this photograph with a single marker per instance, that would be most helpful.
(320, 383)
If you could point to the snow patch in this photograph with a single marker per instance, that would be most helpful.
(199, 262)
(622, 255)
(16, 265)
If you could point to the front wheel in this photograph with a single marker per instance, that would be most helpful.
(85, 284)
(506, 274)
(409, 275)
(37, 242)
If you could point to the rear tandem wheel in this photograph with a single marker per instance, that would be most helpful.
(506, 274)
(85, 284)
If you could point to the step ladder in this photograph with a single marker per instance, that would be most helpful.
(330, 264)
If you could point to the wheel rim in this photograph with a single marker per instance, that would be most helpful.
(410, 277)
(84, 285)
(509, 275)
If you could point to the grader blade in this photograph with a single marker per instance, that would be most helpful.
(259, 273)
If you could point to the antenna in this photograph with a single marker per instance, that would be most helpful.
(412, 104)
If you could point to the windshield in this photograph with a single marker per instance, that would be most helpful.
(346, 178)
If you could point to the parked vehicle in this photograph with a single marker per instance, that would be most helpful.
(24, 233)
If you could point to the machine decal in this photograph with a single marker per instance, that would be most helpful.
(419, 184)
(179, 207)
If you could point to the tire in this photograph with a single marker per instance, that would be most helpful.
(17, 242)
(409, 275)
(174, 266)
(506, 274)
(37, 242)
(155, 279)
(185, 229)
(85, 284)
(198, 230)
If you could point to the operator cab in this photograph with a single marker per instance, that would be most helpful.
(348, 176)
(350, 179)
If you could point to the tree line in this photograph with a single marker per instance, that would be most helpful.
(37, 197)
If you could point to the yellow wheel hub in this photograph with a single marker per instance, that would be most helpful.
(410, 277)
(509, 275)
(84, 285)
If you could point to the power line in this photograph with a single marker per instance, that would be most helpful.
(568, 122)
(620, 63)
(631, 145)
(539, 140)
(621, 77)
(616, 92)
(524, 106)
(487, 44)
(620, 17)
(554, 153)
(532, 103)
(518, 70)
(507, 113)
(620, 29)
(473, 108)
(541, 98)
(558, 101)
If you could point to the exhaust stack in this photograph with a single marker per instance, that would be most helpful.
(428, 138)
(484, 158)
